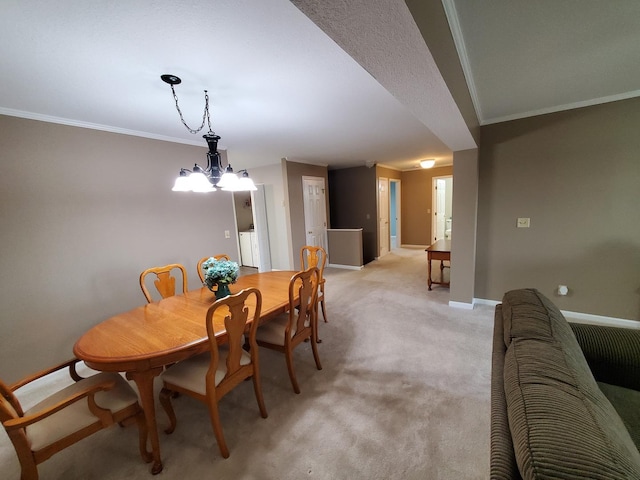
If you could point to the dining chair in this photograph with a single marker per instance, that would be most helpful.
(204, 259)
(313, 256)
(68, 415)
(285, 332)
(164, 282)
(211, 375)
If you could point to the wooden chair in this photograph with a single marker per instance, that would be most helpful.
(204, 259)
(312, 256)
(211, 375)
(286, 332)
(165, 283)
(68, 415)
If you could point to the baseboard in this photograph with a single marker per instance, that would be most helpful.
(407, 245)
(347, 267)
(577, 317)
(484, 301)
(466, 306)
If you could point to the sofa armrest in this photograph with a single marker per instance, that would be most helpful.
(503, 464)
(613, 353)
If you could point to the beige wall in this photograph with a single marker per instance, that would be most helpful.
(416, 203)
(293, 173)
(465, 212)
(576, 174)
(83, 212)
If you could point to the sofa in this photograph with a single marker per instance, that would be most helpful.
(565, 398)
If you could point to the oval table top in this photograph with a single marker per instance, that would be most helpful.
(173, 328)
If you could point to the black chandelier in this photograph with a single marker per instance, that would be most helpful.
(213, 175)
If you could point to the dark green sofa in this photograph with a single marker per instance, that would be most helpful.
(565, 398)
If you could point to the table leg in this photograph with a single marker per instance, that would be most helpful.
(429, 277)
(144, 382)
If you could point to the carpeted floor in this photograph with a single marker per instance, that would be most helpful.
(404, 394)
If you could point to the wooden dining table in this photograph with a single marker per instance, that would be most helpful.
(142, 341)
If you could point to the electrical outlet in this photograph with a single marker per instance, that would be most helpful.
(524, 222)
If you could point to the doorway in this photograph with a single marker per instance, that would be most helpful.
(253, 231)
(315, 211)
(383, 215)
(394, 213)
(442, 220)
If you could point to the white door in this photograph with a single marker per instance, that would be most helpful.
(315, 211)
(383, 214)
(439, 207)
(262, 255)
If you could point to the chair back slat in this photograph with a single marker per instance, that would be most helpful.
(164, 282)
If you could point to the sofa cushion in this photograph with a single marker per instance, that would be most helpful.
(562, 427)
(561, 423)
(627, 404)
(539, 317)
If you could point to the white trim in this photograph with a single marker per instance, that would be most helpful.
(484, 301)
(348, 267)
(95, 126)
(561, 108)
(407, 245)
(466, 306)
(578, 317)
(458, 39)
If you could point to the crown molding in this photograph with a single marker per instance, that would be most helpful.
(458, 40)
(562, 108)
(95, 126)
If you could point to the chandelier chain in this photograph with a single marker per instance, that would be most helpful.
(205, 114)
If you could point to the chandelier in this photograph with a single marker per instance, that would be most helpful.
(206, 179)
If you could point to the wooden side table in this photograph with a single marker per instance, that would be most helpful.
(441, 250)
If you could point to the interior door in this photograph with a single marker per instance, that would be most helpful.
(262, 256)
(383, 215)
(439, 192)
(315, 211)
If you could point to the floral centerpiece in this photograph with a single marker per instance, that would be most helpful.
(219, 273)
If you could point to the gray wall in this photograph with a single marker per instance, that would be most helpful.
(83, 212)
(576, 174)
(353, 204)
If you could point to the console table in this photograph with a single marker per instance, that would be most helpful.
(441, 250)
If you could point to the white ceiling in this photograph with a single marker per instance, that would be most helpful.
(281, 87)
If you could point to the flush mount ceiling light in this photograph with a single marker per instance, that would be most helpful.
(213, 175)
(427, 163)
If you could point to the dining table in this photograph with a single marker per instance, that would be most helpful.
(143, 341)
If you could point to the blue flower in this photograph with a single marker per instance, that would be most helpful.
(219, 271)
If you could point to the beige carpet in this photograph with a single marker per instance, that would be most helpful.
(404, 394)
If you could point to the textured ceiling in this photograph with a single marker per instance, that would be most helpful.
(356, 84)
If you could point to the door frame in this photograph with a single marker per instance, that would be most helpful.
(398, 211)
(305, 179)
(434, 203)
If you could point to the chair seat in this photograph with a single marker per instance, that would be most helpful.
(273, 331)
(191, 373)
(77, 415)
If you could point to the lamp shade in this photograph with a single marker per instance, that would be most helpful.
(427, 163)
(200, 183)
(182, 184)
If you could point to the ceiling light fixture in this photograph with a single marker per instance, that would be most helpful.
(427, 163)
(214, 175)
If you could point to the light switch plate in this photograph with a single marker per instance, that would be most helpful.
(524, 222)
(227, 234)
